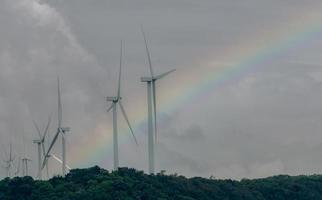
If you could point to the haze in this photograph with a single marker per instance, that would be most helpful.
(262, 122)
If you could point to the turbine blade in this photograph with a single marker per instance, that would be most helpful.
(46, 129)
(49, 149)
(164, 74)
(110, 108)
(127, 121)
(43, 149)
(44, 162)
(10, 154)
(4, 157)
(37, 128)
(60, 161)
(154, 110)
(120, 73)
(59, 113)
(5, 152)
(147, 51)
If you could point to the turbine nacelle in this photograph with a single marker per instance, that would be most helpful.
(65, 129)
(37, 141)
(147, 79)
(154, 78)
(113, 99)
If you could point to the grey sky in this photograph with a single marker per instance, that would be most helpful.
(266, 121)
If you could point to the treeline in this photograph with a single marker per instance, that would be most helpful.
(129, 184)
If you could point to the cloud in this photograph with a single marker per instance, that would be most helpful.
(264, 122)
(193, 133)
(38, 46)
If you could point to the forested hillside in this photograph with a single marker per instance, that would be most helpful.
(98, 184)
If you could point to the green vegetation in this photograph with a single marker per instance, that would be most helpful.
(127, 184)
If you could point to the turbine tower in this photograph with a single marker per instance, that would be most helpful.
(25, 168)
(118, 100)
(152, 118)
(38, 142)
(60, 131)
(18, 168)
(41, 147)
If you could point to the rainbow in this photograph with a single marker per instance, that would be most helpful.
(243, 59)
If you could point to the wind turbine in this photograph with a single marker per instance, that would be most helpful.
(25, 160)
(9, 161)
(41, 147)
(152, 110)
(60, 131)
(118, 100)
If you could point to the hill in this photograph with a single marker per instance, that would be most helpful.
(127, 184)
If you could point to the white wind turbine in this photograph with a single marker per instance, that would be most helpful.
(152, 112)
(9, 161)
(25, 160)
(60, 131)
(41, 147)
(118, 100)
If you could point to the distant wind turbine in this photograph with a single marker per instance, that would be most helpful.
(9, 161)
(152, 110)
(41, 147)
(60, 131)
(118, 100)
(25, 160)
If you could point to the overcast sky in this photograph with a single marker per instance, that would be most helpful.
(263, 122)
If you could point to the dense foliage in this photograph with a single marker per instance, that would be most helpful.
(126, 184)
